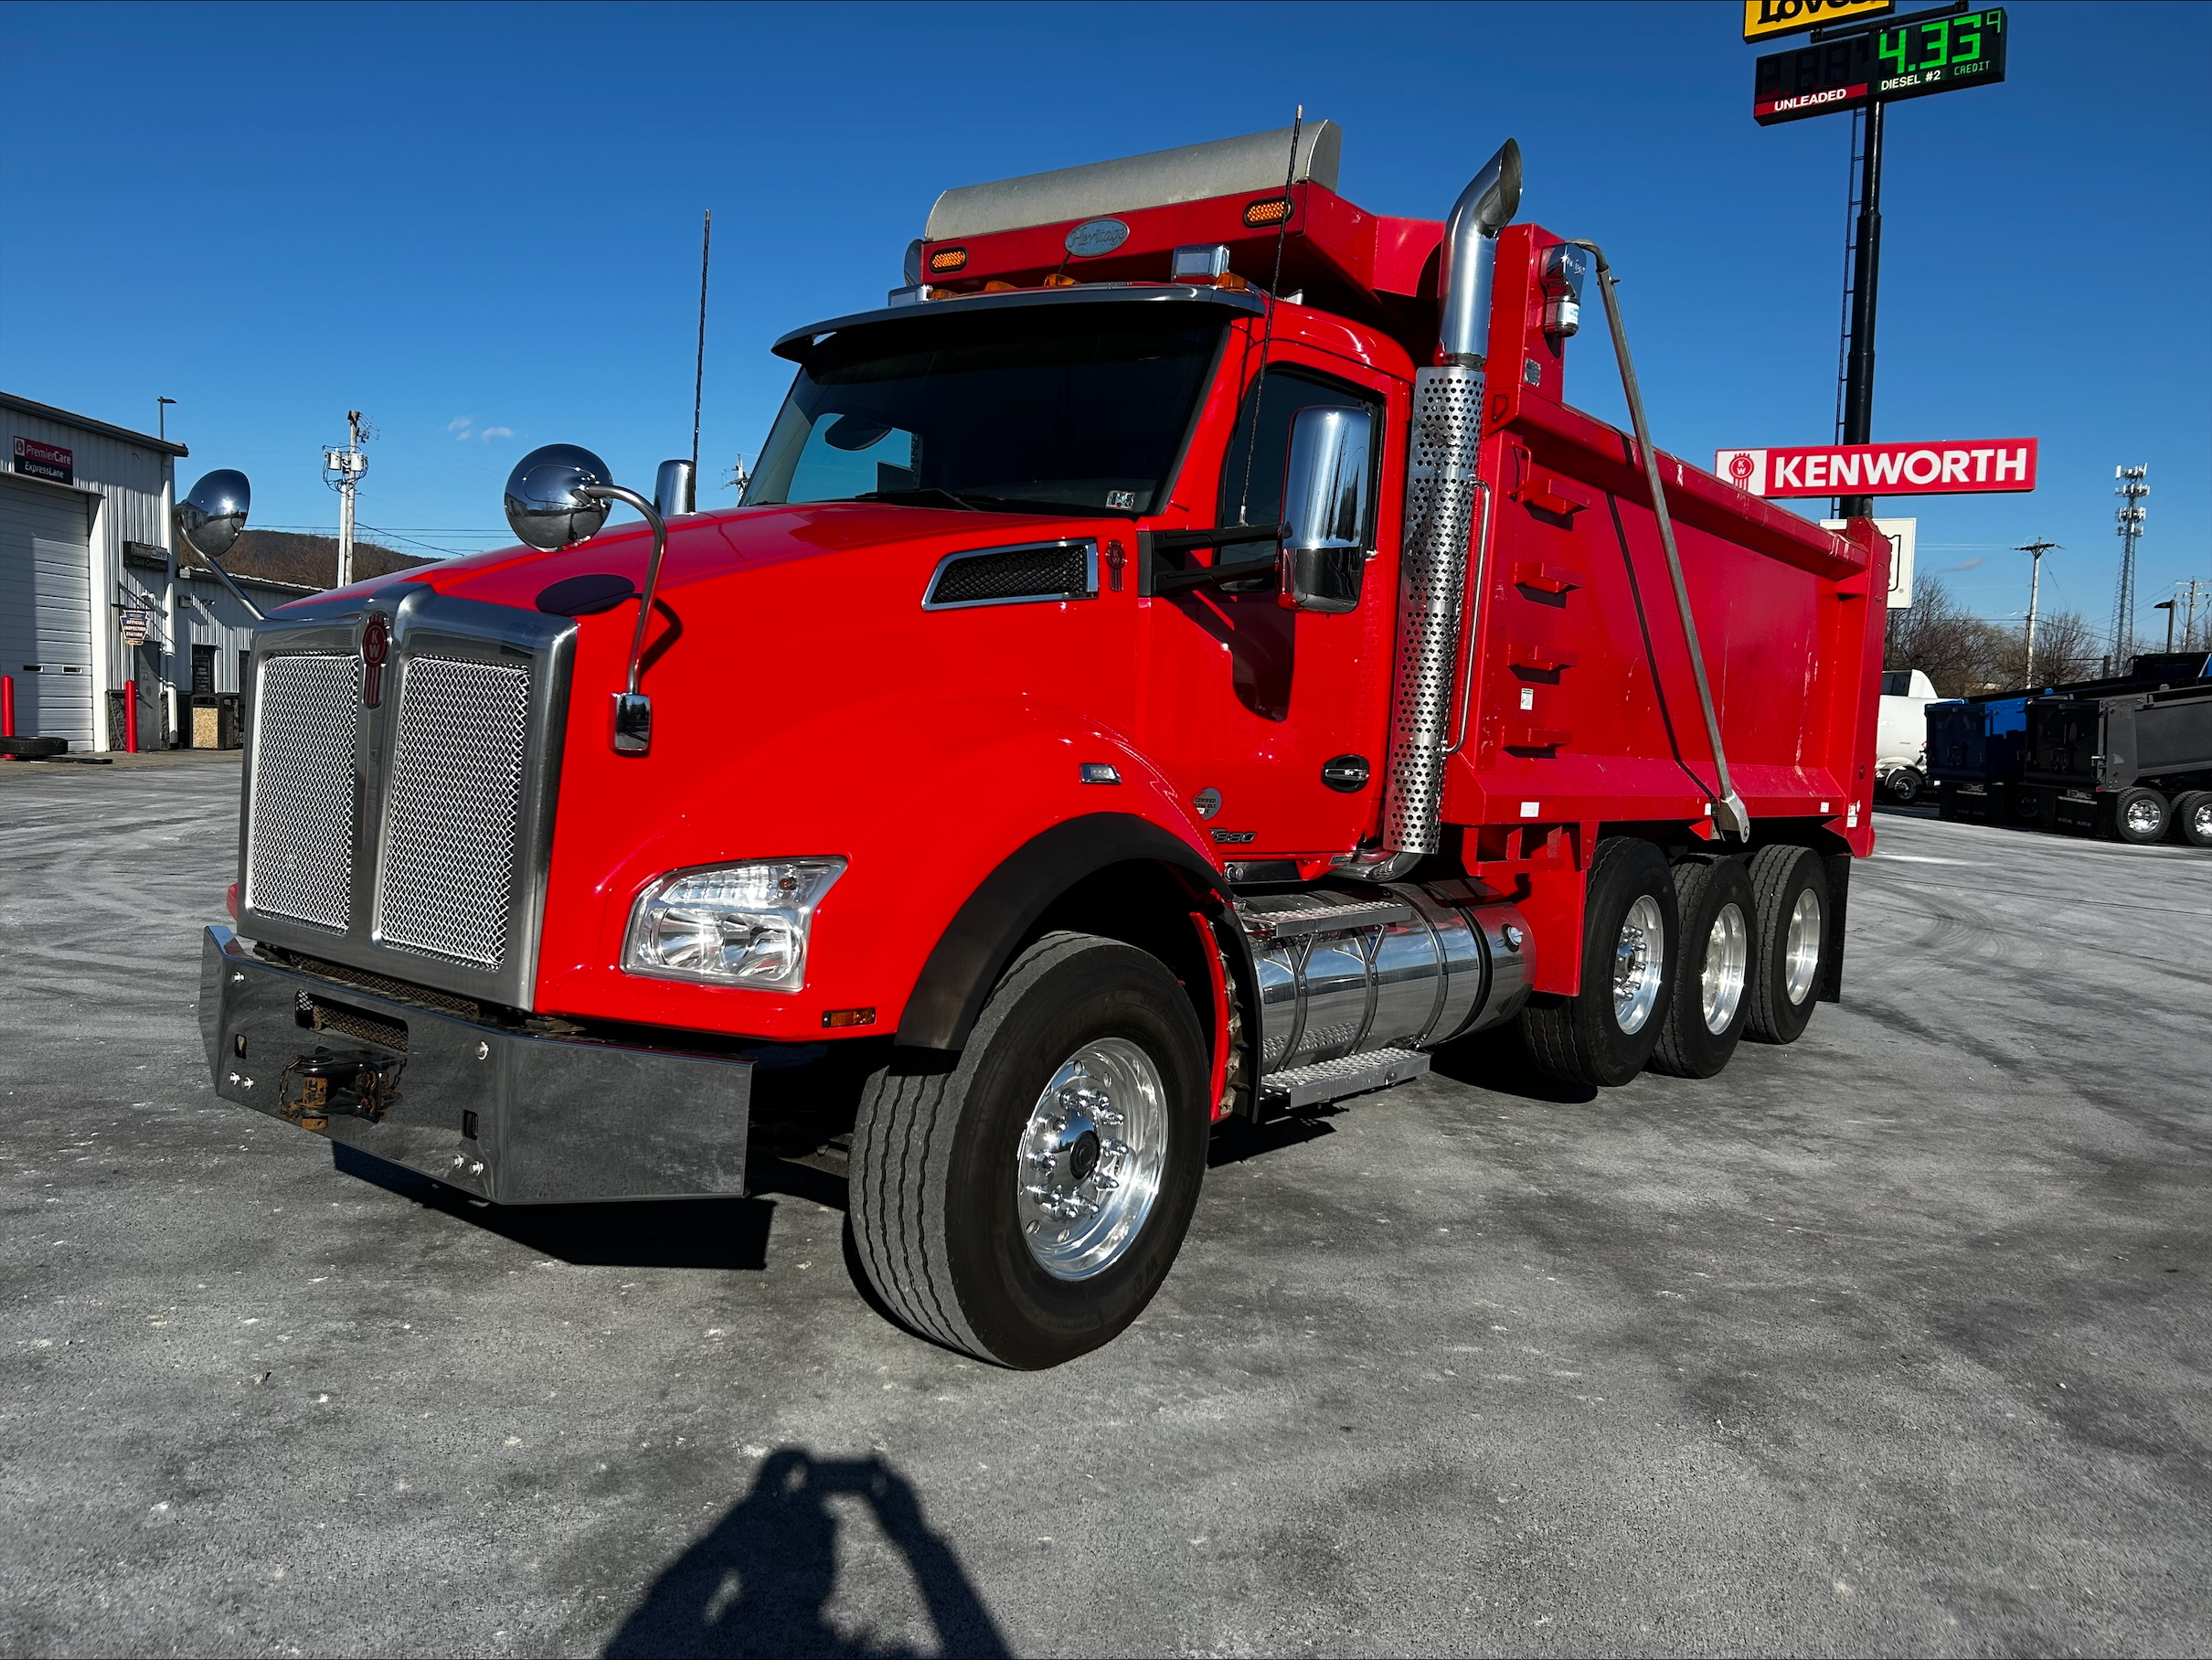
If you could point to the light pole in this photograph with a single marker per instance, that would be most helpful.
(2167, 606)
(2035, 588)
(161, 417)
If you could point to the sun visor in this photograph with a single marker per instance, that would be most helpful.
(1227, 166)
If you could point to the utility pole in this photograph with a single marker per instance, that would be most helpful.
(2037, 548)
(2188, 639)
(2129, 513)
(342, 471)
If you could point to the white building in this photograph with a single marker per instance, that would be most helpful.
(74, 494)
(85, 559)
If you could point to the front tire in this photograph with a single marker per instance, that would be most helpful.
(1023, 1206)
(1605, 1032)
(1790, 894)
(1711, 1002)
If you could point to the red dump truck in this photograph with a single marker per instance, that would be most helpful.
(1183, 656)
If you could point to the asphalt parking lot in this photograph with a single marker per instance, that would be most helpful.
(1892, 1341)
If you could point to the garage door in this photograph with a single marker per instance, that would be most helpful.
(46, 611)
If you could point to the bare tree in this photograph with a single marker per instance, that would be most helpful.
(1935, 635)
(2066, 648)
(1965, 654)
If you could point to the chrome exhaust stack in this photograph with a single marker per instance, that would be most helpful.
(1440, 483)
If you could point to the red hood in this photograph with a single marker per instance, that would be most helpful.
(709, 545)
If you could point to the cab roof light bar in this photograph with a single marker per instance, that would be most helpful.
(1248, 165)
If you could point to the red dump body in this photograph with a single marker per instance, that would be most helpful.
(1582, 708)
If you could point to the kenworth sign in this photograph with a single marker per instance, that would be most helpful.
(1971, 466)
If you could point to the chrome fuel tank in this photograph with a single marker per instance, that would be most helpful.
(1345, 972)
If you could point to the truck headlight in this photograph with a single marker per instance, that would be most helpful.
(730, 924)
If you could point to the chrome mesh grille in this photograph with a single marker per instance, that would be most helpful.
(453, 808)
(299, 853)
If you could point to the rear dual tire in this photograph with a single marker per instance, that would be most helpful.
(2192, 817)
(2139, 816)
(1789, 898)
(1606, 1031)
(1711, 1003)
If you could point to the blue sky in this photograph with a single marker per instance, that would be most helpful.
(481, 225)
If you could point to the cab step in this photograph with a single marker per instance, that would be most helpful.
(1327, 1080)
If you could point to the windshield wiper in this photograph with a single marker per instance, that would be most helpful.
(924, 497)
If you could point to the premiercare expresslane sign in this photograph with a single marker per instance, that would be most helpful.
(49, 462)
(1973, 466)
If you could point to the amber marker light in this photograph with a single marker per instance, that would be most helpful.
(850, 1017)
(946, 260)
(1273, 210)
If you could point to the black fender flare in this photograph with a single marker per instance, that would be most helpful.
(987, 930)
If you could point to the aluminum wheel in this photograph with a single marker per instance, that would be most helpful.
(1091, 1156)
(1639, 964)
(2142, 817)
(1727, 957)
(1801, 947)
(2199, 825)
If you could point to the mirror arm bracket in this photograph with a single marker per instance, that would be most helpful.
(237, 594)
(1153, 581)
(632, 708)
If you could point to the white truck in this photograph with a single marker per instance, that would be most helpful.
(1901, 739)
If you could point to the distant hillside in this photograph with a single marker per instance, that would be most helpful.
(291, 556)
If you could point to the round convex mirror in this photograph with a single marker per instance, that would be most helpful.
(213, 512)
(545, 506)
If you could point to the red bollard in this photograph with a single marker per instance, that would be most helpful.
(130, 716)
(7, 705)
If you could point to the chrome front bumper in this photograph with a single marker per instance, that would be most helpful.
(510, 1117)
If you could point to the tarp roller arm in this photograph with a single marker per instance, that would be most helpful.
(1729, 810)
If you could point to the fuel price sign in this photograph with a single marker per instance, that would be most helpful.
(1910, 59)
(1941, 55)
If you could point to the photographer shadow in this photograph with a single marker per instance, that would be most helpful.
(760, 1583)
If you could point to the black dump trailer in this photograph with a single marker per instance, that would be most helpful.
(1977, 750)
(2136, 766)
(1980, 748)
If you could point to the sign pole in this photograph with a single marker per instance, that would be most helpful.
(1866, 275)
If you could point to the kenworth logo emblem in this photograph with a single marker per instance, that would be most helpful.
(376, 646)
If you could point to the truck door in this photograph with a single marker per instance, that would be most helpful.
(1274, 721)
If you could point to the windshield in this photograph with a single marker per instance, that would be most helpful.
(1017, 410)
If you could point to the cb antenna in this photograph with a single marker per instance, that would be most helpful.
(1267, 340)
(698, 372)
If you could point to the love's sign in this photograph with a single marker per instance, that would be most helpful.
(1971, 466)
